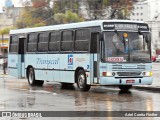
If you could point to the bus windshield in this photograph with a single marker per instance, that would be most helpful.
(126, 47)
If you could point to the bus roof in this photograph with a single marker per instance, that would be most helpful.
(69, 26)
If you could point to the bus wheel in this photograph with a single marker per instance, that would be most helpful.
(124, 87)
(31, 78)
(82, 81)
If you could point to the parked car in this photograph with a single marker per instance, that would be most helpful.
(153, 58)
(158, 58)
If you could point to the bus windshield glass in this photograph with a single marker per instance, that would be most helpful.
(126, 47)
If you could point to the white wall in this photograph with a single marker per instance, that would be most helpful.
(155, 34)
(145, 11)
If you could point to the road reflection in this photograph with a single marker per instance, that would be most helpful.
(52, 97)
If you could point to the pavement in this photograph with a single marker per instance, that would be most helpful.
(154, 87)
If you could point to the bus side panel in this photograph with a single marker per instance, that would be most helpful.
(13, 64)
(53, 67)
(30, 60)
(41, 67)
(83, 60)
(69, 63)
(66, 69)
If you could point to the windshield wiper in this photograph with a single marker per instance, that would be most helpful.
(121, 38)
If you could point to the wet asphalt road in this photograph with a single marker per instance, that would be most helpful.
(17, 95)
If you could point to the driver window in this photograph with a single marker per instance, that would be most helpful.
(118, 45)
(139, 43)
(143, 44)
(110, 49)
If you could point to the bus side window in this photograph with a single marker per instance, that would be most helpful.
(82, 40)
(67, 41)
(43, 42)
(13, 44)
(32, 42)
(54, 42)
(94, 42)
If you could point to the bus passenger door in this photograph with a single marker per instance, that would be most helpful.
(95, 57)
(21, 53)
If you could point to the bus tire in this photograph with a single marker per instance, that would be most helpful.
(31, 78)
(82, 81)
(125, 87)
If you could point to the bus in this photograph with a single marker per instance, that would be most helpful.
(100, 52)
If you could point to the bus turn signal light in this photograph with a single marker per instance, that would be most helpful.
(107, 74)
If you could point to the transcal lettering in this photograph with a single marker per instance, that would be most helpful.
(42, 61)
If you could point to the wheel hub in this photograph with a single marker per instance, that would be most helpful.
(81, 80)
(30, 77)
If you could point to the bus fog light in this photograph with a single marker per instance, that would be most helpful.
(113, 74)
(148, 74)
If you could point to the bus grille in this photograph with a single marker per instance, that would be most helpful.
(119, 68)
(128, 73)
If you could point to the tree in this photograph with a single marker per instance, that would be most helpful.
(121, 8)
(5, 31)
(96, 9)
(42, 12)
(60, 18)
(68, 17)
(61, 6)
(35, 14)
(27, 20)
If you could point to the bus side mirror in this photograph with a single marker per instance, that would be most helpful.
(147, 38)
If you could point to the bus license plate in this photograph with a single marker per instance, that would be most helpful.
(130, 81)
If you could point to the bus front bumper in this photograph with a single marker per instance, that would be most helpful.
(125, 81)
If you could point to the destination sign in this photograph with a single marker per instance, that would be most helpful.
(125, 26)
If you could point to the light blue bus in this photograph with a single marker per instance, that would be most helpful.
(101, 52)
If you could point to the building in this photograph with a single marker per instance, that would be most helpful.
(149, 12)
(155, 34)
(8, 18)
(145, 10)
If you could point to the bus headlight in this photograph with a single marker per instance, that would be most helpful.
(147, 74)
(108, 74)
